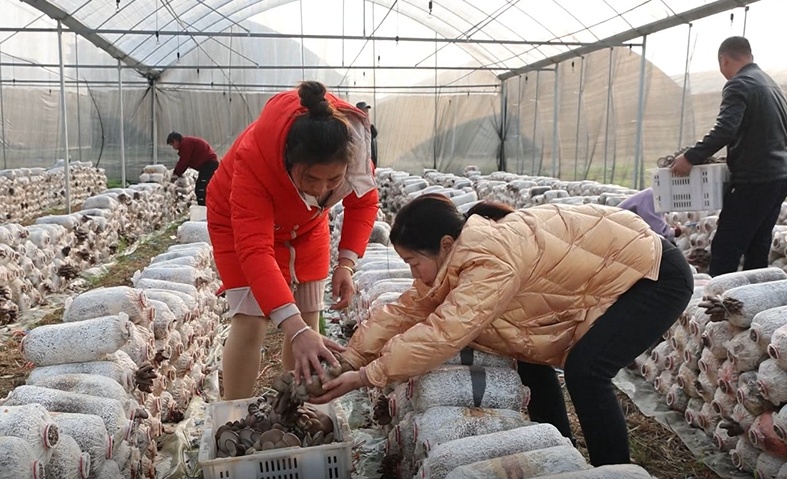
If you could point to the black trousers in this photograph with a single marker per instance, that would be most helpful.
(745, 226)
(632, 324)
(205, 174)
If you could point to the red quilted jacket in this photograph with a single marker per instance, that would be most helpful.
(276, 238)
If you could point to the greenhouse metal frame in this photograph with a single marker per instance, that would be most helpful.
(163, 65)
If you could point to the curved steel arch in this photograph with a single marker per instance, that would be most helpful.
(445, 20)
(75, 25)
(448, 32)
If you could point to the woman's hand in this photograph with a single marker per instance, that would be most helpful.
(338, 387)
(308, 348)
(342, 287)
(333, 345)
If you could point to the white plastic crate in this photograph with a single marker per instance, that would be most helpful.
(701, 190)
(330, 461)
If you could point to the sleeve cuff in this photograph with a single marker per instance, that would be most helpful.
(364, 379)
(693, 157)
(352, 357)
(348, 254)
(374, 375)
(281, 313)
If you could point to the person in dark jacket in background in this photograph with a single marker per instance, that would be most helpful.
(752, 124)
(197, 154)
(364, 107)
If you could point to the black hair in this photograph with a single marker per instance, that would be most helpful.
(422, 223)
(174, 136)
(321, 135)
(736, 47)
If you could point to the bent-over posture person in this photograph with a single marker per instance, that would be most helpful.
(586, 288)
(268, 222)
(195, 153)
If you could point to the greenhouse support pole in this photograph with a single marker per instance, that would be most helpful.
(2, 113)
(606, 120)
(579, 113)
(229, 88)
(122, 129)
(535, 124)
(436, 94)
(375, 64)
(79, 116)
(154, 121)
(639, 164)
(63, 112)
(501, 161)
(555, 119)
(685, 85)
(520, 148)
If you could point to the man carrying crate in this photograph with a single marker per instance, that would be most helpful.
(752, 124)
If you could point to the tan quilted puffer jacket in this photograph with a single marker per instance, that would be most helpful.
(528, 287)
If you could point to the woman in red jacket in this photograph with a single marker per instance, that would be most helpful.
(268, 221)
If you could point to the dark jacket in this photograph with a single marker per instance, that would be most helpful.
(752, 124)
(374, 146)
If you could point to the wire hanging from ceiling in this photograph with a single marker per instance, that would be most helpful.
(366, 42)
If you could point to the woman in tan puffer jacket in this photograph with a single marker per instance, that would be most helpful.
(586, 288)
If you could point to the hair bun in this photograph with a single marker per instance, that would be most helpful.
(312, 95)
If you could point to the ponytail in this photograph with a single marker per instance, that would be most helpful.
(490, 210)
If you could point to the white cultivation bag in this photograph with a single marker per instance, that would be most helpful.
(473, 357)
(108, 470)
(68, 461)
(32, 423)
(90, 384)
(17, 461)
(145, 283)
(193, 232)
(181, 304)
(109, 410)
(122, 375)
(202, 255)
(164, 320)
(440, 424)
(82, 341)
(464, 386)
(140, 345)
(445, 457)
(538, 463)
(89, 432)
(108, 301)
(174, 273)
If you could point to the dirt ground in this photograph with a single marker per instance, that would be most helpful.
(652, 446)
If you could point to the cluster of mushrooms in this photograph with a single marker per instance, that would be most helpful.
(280, 419)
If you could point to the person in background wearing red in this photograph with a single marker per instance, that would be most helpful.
(268, 223)
(195, 153)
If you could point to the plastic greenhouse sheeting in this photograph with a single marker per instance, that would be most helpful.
(447, 80)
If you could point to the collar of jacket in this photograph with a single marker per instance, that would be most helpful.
(275, 122)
